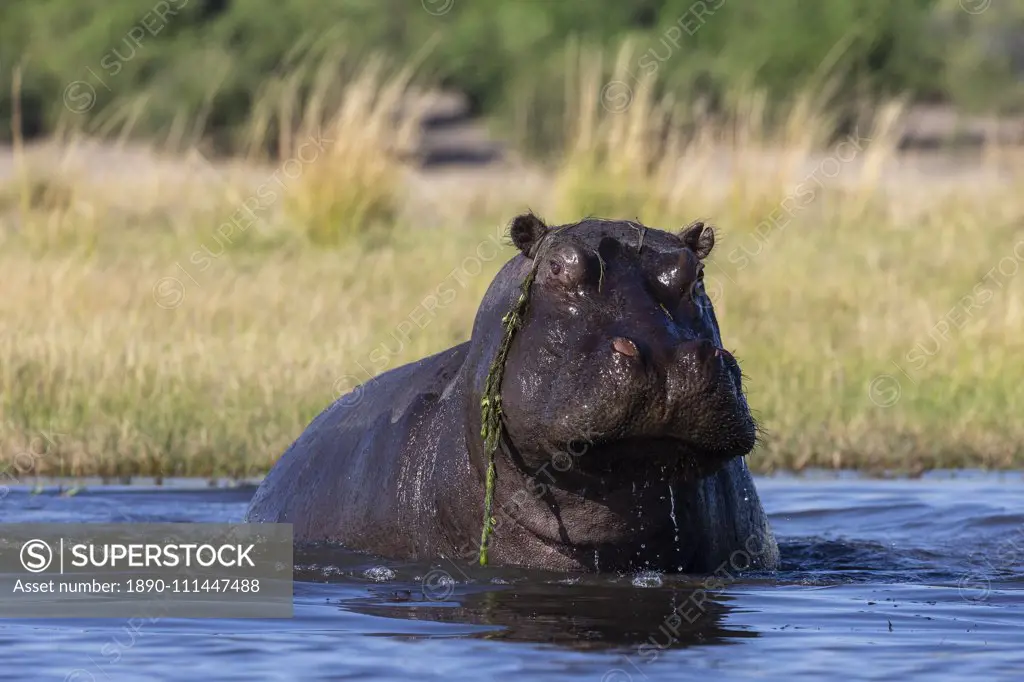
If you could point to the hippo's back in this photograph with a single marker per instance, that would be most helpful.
(359, 471)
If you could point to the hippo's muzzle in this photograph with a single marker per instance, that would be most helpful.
(691, 392)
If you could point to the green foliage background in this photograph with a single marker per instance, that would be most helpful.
(208, 59)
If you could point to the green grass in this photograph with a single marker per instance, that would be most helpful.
(262, 340)
(222, 378)
(135, 339)
(839, 280)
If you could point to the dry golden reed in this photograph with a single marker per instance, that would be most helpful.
(876, 302)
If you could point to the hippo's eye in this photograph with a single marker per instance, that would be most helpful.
(568, 268)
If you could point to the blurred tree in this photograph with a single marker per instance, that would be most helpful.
(207, 59)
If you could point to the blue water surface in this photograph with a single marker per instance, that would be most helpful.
(881, 579)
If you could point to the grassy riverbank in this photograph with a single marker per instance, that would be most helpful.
(163, 318)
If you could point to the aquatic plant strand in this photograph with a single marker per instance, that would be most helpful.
(490, 405)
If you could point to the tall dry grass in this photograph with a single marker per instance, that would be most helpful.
(137, 379)
(341, 145)
(876, 310)
(878, 313)
(631, 149)
(327, 143)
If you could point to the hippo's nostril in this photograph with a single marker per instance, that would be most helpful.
(625, 346)
(703, 351)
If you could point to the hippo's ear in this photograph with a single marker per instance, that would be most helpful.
(526, 231)
(699, 238)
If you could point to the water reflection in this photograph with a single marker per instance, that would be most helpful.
(576, 616)
(902, 580)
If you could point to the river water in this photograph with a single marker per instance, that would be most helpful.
(881, 579)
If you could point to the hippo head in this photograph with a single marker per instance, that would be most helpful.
(619, 357)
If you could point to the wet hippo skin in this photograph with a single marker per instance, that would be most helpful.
(625, 425)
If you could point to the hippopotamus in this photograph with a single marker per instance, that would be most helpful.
(622, 433)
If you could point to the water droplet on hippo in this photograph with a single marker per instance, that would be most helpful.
(379, 574)
(647, 579)
(643, 546)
